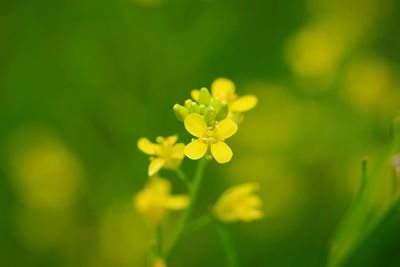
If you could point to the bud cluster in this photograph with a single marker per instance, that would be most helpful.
(211, 108)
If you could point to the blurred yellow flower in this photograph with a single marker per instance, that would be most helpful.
(239, 203)
(166, 153)
(224, 90)
(158, 262)
(213, 137)
(154, 201)
(370, 84)
(316, 50)
(46, 173)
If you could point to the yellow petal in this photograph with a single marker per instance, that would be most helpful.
(155, 166)
(223, 89)
(172, 139)
(221, 152)
(244, 103)
(196, 149)
(253, 201)
(225, 129)
(159, 186)
(160, 139)
(177, 152)
(195, 94)
(177, 202)
(141, 201)
(243, 189)
(148, 147)
(251, 215)
(195, 125)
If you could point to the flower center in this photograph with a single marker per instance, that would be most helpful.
(209, 137)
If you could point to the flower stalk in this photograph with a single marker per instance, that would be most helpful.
(227, 243)
(193, 192)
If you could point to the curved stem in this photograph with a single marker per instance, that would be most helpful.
(198, 223)
(183, 177)
(361, 192)
(231, 255)
(193, 192)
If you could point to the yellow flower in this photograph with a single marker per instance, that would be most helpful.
(239, 203)
(213, 137)
(155, 200)
(224, 90)
(158, 262)
(166, 154)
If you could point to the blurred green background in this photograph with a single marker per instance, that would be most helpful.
(82, 80)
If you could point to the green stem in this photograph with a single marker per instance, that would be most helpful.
(193, 191)
(198, 223)
(183, 177)
(363, 183)
(231, 255)
(368, 233)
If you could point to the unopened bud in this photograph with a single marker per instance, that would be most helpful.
(188, 104)
(222, 112)
(205, 97)
(210, 116)
(180, 112)
(216, 103)
(203, 109)
(238, 118)
(195, 108)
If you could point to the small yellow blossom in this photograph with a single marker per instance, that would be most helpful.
(155, 200)
(158, 262)
(224, 90)
(165, 154)
(239, 203)
(208, 136)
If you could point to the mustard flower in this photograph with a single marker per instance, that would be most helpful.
(155, 200)
(224, 90)
(165, 154)
(239, 203)
(209, 137)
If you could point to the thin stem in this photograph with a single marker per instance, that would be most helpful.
(368, 233)
(183, 177)
(363, 184)
(231, 255)
(198, 223)
(194, 189)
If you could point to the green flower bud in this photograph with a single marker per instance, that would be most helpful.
(180, 112)
(203, 109)
(188, 105)
(195, 108)
(210, 116)
(222, 112)
(216, 103)
(238, 118)
(205, 97)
